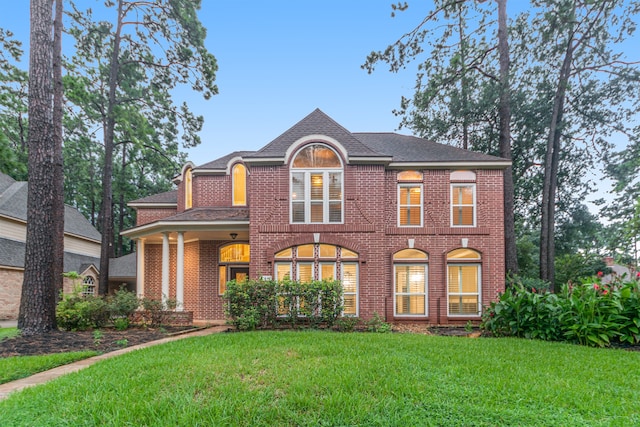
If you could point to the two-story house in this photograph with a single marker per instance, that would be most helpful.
(412, 228)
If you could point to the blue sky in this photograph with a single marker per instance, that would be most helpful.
(279, 60)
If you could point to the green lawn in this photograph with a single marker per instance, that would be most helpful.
(14, 368)
(8, 332)
(324, 378)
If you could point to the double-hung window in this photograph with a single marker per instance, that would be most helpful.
(410, 282)
(316, 186)
(463, 199)
(464, 282)
(410, 199)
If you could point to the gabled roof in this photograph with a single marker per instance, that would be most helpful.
(13, 204)
(316, 123)
(411, 149)
(221, 164)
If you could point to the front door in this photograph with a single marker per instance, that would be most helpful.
(239, 274)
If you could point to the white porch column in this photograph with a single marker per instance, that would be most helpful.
(180, 272)
(165, 267)
(140, 267)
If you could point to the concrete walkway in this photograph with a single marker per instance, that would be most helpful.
(43, 377)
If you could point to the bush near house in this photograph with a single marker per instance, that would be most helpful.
(588, 313)
(260, 303)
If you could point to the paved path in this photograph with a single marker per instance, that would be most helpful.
(43, 377)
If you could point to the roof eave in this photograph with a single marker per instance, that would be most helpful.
(264, 161)
(499, 164)
(160, 226)
(152, 205)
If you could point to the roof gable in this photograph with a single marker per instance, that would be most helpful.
(316, 123)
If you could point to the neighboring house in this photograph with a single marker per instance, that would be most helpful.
(81, 246)
(412, 228)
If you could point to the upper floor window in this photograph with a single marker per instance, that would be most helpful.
(463, 199)
(410, 199)
(316, 186)
(188, 189)
(239, 176)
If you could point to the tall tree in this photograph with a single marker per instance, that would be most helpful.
(152, 46)
(58, 177)
(462, 84)
(37, 305)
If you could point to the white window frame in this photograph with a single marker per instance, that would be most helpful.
(478, 294)
(426, 289)
(454, 205)
(356, 293)
(401, 205)
(88, 286)
(325, 195)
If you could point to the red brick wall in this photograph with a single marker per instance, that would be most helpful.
(148, 215)
(10, 293)
(370, 228)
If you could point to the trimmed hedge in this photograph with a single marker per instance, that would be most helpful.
(260, 303)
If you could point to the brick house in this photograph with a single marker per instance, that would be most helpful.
(412, 228)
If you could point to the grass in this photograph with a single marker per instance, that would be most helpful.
(14, 368)
(323, 378)
(8, 333)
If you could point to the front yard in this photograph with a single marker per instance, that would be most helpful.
(328, 378)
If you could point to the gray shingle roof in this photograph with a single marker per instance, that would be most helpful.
(123, 267)
(211, 214)
(13, 203)
(221, 163)
(165, 198)
(12, 255)
(316, 123)
(404, 148)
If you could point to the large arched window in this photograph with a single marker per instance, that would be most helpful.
(239, 175)
(464, 282)
(188, 189)
(319, 261)
(316, 186)
(233, 264)
(410, 282)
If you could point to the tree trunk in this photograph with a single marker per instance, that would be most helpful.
(37, 304)
(504, 112)
(58, 217)
(106, 214)
(547, 248)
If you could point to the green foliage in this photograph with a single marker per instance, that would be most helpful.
(8, 333)
(573, 267)
(262, 303)
(152, 313)
(347, 324)
(77, 312)
(376, 324)
(590, 313)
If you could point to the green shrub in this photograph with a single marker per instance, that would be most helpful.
(376, 324)
(589, 313)
(152, 311)
(347, 324)
(76, 312)
(262, 303)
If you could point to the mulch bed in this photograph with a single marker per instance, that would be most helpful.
(65, 341)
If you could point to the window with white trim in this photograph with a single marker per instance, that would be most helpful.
(410, 282)
(320, 261)
(463, 199)
(410, 200)
(464, 277)
(88, 286)
(316, 186)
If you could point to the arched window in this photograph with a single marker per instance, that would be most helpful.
(233, 264)
(316, 186)
(88, 286)
(318, 262)
(239, 175)
(464, 282)
(410, 282)
(463, 199)
(188, 189)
